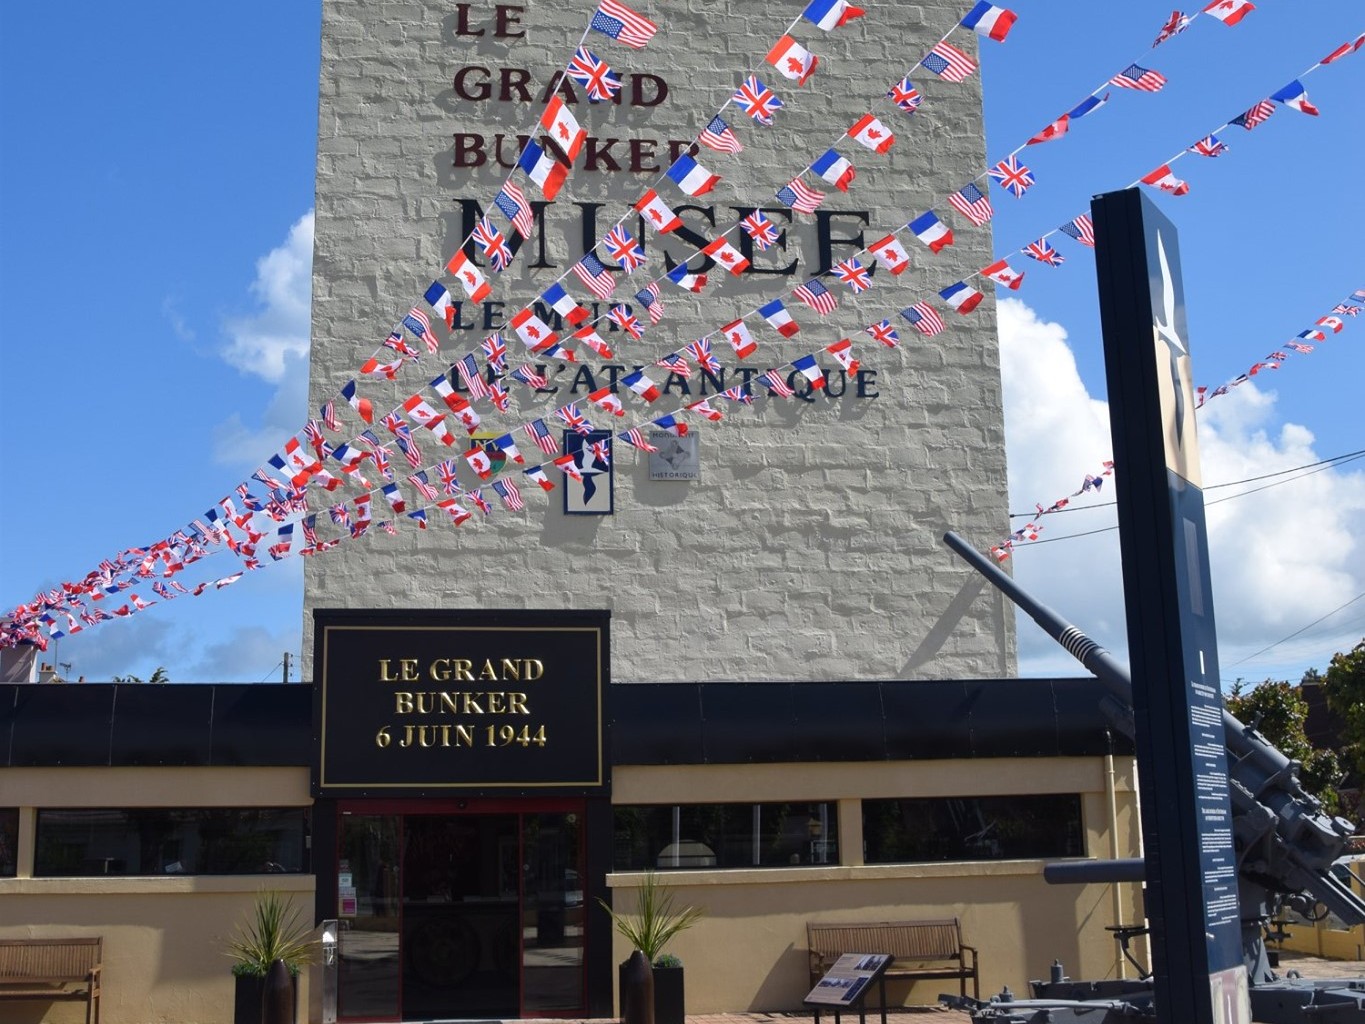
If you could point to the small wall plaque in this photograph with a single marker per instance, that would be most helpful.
(678, 458)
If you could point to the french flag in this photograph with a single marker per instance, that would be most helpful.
(439, 299)
(931, 231)
(834, 169)
(961, 296)
(779, 319)
(692, 177)
(563, 303)
(988, 20)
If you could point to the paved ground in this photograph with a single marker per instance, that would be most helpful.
(1307, 966)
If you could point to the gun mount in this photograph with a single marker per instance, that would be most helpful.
(1287, 845)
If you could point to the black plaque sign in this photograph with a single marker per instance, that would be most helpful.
(426, 703)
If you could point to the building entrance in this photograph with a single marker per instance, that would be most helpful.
(460, 909)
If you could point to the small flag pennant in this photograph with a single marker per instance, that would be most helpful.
(512, 202)
(800, 197)
(853, 274)
(1002, 273)
(1082, 229)
(883, 333)
(961, 296)
(547, 172)
(831, 14)
(905, 95)
(779, 319)
(1163, 179)
(1139, 78)
(760, 229)
(1258, 114)
(562, 303)
(691, 177)
(1230, 12)
(807, 367)
(470, 277)
(624, 249)
(834, 169)
(1293, 95)
(949, 63)
(890, 254)
(737, 334)
(595, 276)
(657, 213)
(793, 60)
(990, 21)
(872, 134)
(816, 296)
(931, 231)
(972, 203)
(924, 319)
(757, 100)
(1042, 251)
(1012, 176)
(719, 136)
(1209, 145)
(614, 19)
(727, 256)
(594, 74)
(563, 128)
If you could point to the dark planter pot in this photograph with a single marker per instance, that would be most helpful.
(246, 1007)
(668, 993)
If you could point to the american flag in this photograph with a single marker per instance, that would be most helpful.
(1012, 175)
(905, 95)
(972, 203)
(1209, 145)
(949, 63)
(510, 495)
(636, 439)
(675, 363)
(618, 21)
(1042, 251)
(495, 353)
(772, 380)
(407, 445)
(884, 333)
(493, 244)
(924, 319)
(594, 74)
(623, 318)
(800, 196)
(1082, 229)
(539, 433)
(423, 485)
(816, 296)
(329, 415)
(649, 298)
(700, 350)
(512, 202)
(468, 368)
(760, 229)
(420, 325)
(1258, 114)
(526, 374)
(853, 274)
(1140, 78)
(448, 471)
(719, 136)
(624, 249)
(757, 100)
(592, 273)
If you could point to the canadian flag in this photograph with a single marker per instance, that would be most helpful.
(604, 399)
(469, 276)
(872, 134)
(727, 256)
(532, 330)
(793, 60)
(890, 254)
(563, 128)
(737, 333)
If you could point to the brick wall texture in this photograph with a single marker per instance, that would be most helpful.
(809, 547)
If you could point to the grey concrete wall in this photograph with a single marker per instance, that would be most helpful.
(809, 547)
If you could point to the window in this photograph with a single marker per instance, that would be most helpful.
(9, 841)
(725, 836)
(972, 828)
(162, 841)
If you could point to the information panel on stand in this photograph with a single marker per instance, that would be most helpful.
(412, 704)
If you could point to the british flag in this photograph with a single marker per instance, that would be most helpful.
(853, 274)
(573, 419)
(499, 396)
(1082, 229)
(757, 100)
(800, 196)
(594, 74)
(817, 297)
(495, 353)
(1344, 308)
(739, 393)
(636, 439)
(399, 344)
(510, 495)
(1042, 251)
(540, 434)
(379, 453)
(700, 350)
(595, 276)
(493, 244)
(719, 136)
(884, 333)
(1013, 176)
(760, 229)
(1258, 114)
(512, 202)
(1209, 145)
(341, 515)
(448, 471)
(623, 318)
(772, 380)
(480, 502)
(423, 485)
(924, 318)
(1139, 78)
(625, 250)
(905, 95)
(972, 203)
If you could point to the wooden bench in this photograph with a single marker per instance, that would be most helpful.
(41, 969)
(922, 949)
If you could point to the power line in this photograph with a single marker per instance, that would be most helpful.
(1348, 457)
(1296, 632)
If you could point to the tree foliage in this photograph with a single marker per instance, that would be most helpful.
(1344, 687)
(1279, 712)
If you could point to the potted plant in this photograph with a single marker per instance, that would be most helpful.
(276, 930)
(655, 921)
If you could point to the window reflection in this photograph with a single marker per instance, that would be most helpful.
(972, 828)
(725, 836)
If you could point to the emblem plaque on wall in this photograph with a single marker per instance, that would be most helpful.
(589, 491)
(677, 458)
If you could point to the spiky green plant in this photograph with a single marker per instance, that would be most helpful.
(276, 930)
(655, 920)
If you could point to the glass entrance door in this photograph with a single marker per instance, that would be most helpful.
(471, 913)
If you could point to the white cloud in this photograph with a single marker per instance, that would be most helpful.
(1281, 558)
(264, 343)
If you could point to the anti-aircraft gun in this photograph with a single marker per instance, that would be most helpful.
(1286, 844)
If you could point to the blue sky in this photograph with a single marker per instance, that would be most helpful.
(155, 183)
